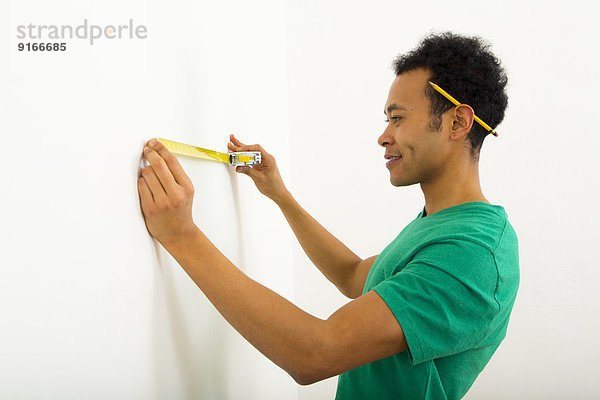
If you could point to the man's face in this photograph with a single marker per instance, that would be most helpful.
(424, 152)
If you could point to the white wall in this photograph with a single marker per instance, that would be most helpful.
(543, 167)
(90, 305)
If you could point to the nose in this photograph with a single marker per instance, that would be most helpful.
(386, 137)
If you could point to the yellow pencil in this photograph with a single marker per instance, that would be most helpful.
(456, 102)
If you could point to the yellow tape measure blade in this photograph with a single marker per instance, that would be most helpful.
(194, 151)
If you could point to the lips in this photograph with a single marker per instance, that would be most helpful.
(393, 161)
(391, 155)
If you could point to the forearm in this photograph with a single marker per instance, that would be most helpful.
(284, 333)
(330, 256)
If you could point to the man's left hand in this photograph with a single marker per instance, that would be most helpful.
(166, 195)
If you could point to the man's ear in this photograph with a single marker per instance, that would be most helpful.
(462, 121)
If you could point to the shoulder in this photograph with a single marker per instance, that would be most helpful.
(481, 223)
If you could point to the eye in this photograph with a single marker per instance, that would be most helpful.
(396, 119)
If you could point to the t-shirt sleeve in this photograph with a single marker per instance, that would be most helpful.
(444, 298)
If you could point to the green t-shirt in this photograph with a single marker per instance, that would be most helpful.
(451, 280)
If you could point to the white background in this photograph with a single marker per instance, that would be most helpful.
(92, 307)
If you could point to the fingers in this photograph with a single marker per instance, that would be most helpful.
(239, 146)
(235, 141)
(235, 144)
(160, 171)
(144, 192)
(167, 167)
(154, 185)
(244, 170)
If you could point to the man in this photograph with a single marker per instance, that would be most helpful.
(430, 310)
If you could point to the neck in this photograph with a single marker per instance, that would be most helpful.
(457, 185)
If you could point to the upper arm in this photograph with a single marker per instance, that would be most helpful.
(357, 279)
(445, 299)
(362, 331)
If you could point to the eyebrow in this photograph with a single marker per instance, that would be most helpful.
(392, 107)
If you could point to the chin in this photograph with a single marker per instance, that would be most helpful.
(399, 182)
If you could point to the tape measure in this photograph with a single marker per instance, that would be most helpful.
(234, 158)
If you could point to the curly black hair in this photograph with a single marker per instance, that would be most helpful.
(465, 68)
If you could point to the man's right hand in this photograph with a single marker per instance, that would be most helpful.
(265, 175)
(340, 265)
